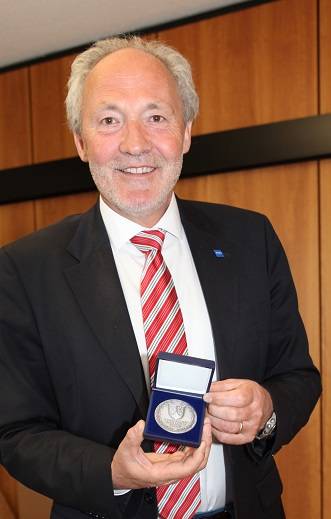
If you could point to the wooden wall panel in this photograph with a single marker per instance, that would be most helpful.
(325, 211)
(289, 196)
(325, 58)
(325, 188)
(32, 505)
(15, 134)
(255, 66)
(8, 496)
(16, 220)
(51, 210)
(51, 137)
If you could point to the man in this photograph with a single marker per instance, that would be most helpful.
(74, 354)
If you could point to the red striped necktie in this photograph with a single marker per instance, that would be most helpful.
(164, 331)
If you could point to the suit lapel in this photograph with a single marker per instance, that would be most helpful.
(96, 286)
(218, 281)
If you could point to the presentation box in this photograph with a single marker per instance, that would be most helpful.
(176, 408)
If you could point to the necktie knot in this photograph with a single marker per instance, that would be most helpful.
(147, 241)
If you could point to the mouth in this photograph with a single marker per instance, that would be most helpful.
(141, 170)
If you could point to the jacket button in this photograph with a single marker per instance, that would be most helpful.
(148, 498)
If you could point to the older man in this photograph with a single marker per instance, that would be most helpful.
(78, 344)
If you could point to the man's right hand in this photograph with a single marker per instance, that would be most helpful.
(133, 468)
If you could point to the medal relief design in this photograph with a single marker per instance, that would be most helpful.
(175, 416)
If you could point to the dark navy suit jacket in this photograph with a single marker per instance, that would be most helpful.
(71, 377)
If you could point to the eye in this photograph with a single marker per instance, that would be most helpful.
(157, 118)
(108, 121)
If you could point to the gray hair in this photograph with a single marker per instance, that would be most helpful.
(177, 65)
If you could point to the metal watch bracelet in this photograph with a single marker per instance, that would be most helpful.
(268, 429)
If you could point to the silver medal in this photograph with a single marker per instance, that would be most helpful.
(175, 416)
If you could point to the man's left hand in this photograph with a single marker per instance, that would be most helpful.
(238, 409)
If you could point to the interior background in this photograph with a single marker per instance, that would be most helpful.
(259, 65)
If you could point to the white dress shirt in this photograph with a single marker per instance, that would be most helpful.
(177, 255)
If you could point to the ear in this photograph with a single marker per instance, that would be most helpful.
(81, 147)
(187, 137)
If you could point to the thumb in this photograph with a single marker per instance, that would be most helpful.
(135, 435)
(133, 440)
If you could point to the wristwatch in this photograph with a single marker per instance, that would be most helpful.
(268, 428)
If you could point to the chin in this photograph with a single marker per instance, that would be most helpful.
(142, 209)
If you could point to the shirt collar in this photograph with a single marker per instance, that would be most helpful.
(120, 229)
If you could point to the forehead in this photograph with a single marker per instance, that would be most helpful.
(132, 72)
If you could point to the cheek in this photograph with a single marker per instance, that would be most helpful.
(101, 150)
(170, 147)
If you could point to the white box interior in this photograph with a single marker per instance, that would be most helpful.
(179, 376)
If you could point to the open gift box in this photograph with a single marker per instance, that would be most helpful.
(176, 408)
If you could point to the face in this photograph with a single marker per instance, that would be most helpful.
(133, 134)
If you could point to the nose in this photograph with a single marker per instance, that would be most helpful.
(135, 140)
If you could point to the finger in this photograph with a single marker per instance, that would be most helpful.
(238, 397)
(229, 438)
(242, 437)
(205, 445)
(196, 460)
(156, 457)
(134, 435)
(173, 469)
(227, 426)
(206, 431)
(182, 463)
(207, 435)
(226, 385)
(230, 414)
(132, 443)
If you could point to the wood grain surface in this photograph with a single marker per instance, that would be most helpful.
(15, 132)
(288, 195)
(51, 137)
(254, 66)
(325, 191)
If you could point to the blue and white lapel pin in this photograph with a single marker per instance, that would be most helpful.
(218, 253)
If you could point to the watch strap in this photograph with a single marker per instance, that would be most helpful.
(268, 428)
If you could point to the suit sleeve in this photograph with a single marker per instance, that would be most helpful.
(33, 448)
(291, 378)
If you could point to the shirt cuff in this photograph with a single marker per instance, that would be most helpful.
(120, 492)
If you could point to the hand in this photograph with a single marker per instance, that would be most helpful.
(238, 409)
(133, 468)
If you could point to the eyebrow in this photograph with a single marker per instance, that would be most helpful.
(107, 106)
(149, 106)
(156, 106)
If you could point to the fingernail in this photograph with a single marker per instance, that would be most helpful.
(207, 398)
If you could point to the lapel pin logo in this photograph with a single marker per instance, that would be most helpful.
(219, 253)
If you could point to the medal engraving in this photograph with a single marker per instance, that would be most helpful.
(175, 416)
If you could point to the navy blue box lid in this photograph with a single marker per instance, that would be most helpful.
(183, 373)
